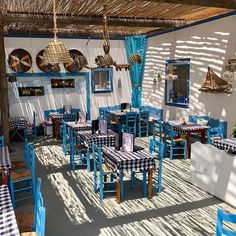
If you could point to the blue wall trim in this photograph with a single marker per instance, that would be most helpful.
(41, 74)
(194, 24)
(61, 37)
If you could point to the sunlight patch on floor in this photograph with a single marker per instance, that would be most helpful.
(74, 209)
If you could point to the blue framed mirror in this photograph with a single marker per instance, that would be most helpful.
(102, 80)
(177, 82)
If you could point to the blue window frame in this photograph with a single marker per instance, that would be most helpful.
(177, 82)
(102, 80)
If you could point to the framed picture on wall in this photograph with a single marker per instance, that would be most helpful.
(31, 91)
(62, 83)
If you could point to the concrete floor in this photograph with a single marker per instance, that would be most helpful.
(73, 208)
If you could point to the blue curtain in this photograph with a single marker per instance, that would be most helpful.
(136, 44)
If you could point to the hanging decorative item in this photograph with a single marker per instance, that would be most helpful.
(20, 60)
(229, 72)
(77, 63)
(213, 83)
(56, 51)
(106, 60)
(45, 67)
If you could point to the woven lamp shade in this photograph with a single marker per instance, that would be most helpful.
(56, 52)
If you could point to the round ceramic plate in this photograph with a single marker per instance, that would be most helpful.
(76, 64)
(45, 67)
(20, 60)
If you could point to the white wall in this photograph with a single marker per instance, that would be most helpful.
(209, 44)
(57, 97)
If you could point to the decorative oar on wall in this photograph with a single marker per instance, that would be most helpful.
(214, 84)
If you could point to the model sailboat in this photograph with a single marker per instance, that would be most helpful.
(213, 83)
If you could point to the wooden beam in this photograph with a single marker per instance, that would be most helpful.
(3, 89)
(89, 20)
(230, 4)
(71, 33)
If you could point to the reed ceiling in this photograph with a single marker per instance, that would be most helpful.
(126, 17)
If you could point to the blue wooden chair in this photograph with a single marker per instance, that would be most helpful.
(101, 172)
(222, 218)
(174, 145)
(157, 147)
(79, 153)
(17, 165)
(23, 180)
(27, 221)
(1, 141)
(70, 117)
(143, 123)
(157, 130)
(112, 124)
(130, 123)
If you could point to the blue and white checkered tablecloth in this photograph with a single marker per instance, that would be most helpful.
(181, 129)
(5, 161)
(19, 123)
(8, 224)
(225, 144)
(120, 161)
(75, 126)
(98, 139)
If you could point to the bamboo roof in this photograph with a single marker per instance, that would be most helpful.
(126, 17)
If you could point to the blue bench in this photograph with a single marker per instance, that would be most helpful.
(60, 110)
(218, 128)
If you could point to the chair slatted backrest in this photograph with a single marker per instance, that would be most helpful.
(26, 152)
(70, 117)
(224, 217)
(38, 201)
(169, 131)
(157, 129)
(130, 118)
(32, 162)
(157, 147)
(144, 116)
(97, 157)
(1, 141)
(40, 217)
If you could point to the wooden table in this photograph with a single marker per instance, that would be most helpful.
(188, 129)
(8, 224)
(120, 161)
(5, 163)
(56, 121)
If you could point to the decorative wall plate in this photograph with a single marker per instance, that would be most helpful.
(20, 60)
(45, 67)
(77, 63)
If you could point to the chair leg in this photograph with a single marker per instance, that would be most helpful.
(88, 160)
(159, 178)
(95, 181)
(33, 188)
(132, 182)
(185, 150)
(11, 186)
(145, 183)
(171, 152)
(101, 186)
(121, 186)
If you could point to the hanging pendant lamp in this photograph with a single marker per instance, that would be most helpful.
(55, 51)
